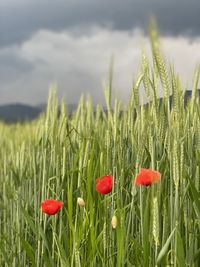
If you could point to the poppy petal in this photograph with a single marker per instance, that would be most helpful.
(104, 185)
(147, 177)
(51, 206)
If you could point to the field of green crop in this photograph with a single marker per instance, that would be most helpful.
(59, 156)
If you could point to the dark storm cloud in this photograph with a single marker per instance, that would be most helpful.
(12, 66)
(71, 42)
(20, 19)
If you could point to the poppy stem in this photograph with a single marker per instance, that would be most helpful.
(141, 213)
(105, 230)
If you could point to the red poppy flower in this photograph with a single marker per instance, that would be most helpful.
(104, 185)
(51, 206)
(147, 177)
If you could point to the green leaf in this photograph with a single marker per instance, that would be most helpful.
(37, 230)
(195, 196)
(164, 249)
(4, 253)
(180, 250)
(29, 250)
(62, 252)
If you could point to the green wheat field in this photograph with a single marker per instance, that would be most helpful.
(60, 155)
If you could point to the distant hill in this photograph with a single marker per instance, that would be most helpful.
(188, 94)
(18, 112)
(21, 112)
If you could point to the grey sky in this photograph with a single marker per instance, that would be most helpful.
(20, 19)
(46, 40)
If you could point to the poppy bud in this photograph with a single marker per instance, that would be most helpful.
(80, 202)
(114, 222)
(51, 206)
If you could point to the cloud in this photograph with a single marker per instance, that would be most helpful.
(19, 20)
(80, 64)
